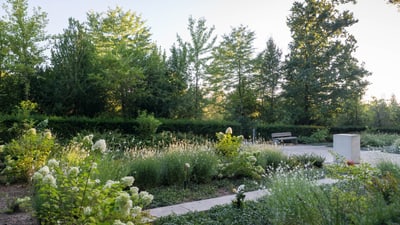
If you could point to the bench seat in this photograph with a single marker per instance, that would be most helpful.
(282, 137)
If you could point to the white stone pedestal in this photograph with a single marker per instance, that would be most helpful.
(348, 146)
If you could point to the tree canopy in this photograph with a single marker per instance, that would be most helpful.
(108, 65)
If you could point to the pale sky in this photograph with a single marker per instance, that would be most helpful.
(377, 32)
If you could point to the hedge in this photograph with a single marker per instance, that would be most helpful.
(69, 126)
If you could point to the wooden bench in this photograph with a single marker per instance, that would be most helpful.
(282, 137)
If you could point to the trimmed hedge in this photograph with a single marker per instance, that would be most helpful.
(69, 126)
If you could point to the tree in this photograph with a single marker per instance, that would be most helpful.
(199, 48)
(24, 35)
(267, 80)
(232, 70)
(122, 43)
(69, 87)
(321, 72)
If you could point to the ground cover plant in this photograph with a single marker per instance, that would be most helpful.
(362, 195)
(84, 181)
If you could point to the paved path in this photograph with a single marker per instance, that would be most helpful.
(371, 157)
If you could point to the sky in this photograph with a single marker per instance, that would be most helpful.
(377, 32)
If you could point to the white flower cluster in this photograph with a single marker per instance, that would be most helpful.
(100, 145)
(44, 175)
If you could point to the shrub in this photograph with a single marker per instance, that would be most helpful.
(147, 125)
(243, 165)
(227, 144)
(23, 156)
(72, 195)
(306, 160)
(318, 136)
(271, 159)
(168, 168)
(147, 171)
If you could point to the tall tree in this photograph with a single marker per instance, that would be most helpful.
(232, 70)
(321, 72)
(24, 35)
(199, 48)
(71, 88)
(122, 43)
(268, 78)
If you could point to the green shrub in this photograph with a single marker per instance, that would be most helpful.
(306, 160)
(147, 125)
(318, 136)
(389, 167)
(204, 166)
(243, 165)
(23, 156)
(69, 195)
(147, 171)
(168, 168)
(377, 139)
(294, 199)
(227, 144)
(271, 159)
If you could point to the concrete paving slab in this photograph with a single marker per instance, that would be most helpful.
(203, 205)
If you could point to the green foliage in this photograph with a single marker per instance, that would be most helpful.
(271, 159)
(25, 155)
(254, 213)
(318, 136)
(242, 165)
(70, 192)
(238, 202)
(389, 167)
(147, 125)
(168, 168)
(231, 71)
(306, 160)
(227, 144)
(321, 58)
(369, 139)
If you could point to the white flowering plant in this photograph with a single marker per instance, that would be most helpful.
(238, 202)
(26, 154)
(71, 194)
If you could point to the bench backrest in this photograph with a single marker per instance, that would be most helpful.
(282, 134)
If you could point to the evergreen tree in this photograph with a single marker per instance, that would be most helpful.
(321, 72)
(267, 81)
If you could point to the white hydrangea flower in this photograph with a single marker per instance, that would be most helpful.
(129, 223)
(228, 130)
(47, 134)
(50, 180)
(127, 181)
(32, 131)
(37, 176)
(100, 145)
(146, 197)
(118, 222)
(87, 211)
(134, 190)
(136, 210)
(73, 171)
(110, 183)
(44, 170)
(75, 189)
(53, 163)
(123, 203)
